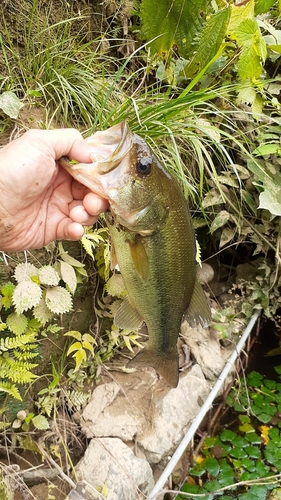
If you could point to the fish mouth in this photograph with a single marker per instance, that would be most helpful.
(107, 149)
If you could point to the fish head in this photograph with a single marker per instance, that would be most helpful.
(125, 172)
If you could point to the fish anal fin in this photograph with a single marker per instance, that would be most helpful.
(198, 311)
(127, 316)
(139, 257)
(165, 364)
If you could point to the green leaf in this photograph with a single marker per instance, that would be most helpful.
(219, 221)
(167, 23)
(88, 345)
(238, 453)
(76, 346)
(253, 451)
(209, 41)
(40, 422)
(227, 435)
(80, 356)
(10, 104)
(212, 466)
(17, 323)
(267, 149)
(262, 6)
(74, 333)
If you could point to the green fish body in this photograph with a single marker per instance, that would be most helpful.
(152, 242)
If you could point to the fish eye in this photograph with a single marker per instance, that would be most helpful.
(144, 166)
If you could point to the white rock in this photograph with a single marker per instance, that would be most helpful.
(146, 410)
(173, 415)
(109, 464)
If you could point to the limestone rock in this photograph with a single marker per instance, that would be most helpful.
(120, 408)
(173, 415)
(110, 464)
(205, 349)
(146, 410)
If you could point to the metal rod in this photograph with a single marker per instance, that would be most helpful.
(203, 410)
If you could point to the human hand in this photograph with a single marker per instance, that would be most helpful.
(39, 201)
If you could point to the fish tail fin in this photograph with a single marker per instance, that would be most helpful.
(166, 365)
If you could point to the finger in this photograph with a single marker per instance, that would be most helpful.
(69, 230)
(78, 190)
(94, 204)
(66, 142)
(78, 213)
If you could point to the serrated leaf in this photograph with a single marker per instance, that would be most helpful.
(167, 23)
(42, 313)
(10, 104)
(209, 40)
(239, 13)
(58, 300)
(68, 275)
(40, 422)
(26, 295)
(88, 246)
(17, 323)
(115, 285)
(219, 221)
(24, 271)
(48, 276)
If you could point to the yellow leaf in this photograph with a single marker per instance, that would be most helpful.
(264, 433)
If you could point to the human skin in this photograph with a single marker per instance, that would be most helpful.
(39, 201)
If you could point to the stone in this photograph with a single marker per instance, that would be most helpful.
(172, 415)
(205, 348)
(110, 465)
(146, 411)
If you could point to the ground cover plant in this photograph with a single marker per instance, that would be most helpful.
(245, 462)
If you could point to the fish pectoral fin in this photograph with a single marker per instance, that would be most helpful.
(165, 364)
(139, 257)
(198, 311)
(127, 316)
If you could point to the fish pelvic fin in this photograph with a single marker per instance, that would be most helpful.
(165, 364)
(127, 316)
(198, 311)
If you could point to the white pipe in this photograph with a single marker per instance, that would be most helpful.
(203, 410)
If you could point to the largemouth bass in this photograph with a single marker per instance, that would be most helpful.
(152, 241)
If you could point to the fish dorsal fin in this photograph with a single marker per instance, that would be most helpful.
(127, 316)
(198, 311)
(139, 257)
